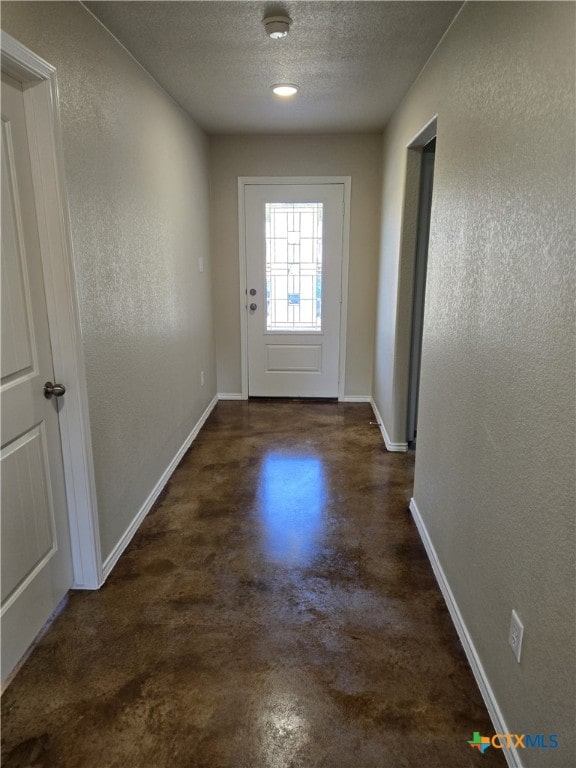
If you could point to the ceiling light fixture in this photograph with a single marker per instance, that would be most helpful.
(285, 89)
(277, 27)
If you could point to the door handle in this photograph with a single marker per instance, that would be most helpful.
(53, 389)
(253, 306)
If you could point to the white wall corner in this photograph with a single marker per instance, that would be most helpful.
(128, 535)
(390, 445)
(512, 756)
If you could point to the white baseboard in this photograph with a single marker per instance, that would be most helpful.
(390, 446)
(112, 558)
(512, 755)
(344, 399)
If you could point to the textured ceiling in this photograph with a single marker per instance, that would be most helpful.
(353, 61)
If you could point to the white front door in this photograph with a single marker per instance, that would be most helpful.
(294, 288)
(36, 560)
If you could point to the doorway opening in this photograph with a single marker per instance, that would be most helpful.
(48, 497)
(419, 291)
(293, 273)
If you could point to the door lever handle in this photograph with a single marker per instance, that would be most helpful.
(53, 389)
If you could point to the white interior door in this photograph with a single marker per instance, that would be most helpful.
(294, 288)
(36, 560)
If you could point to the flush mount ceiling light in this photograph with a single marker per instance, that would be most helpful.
(277, 27)
(284, 89)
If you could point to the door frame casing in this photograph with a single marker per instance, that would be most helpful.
(243, 182)
(40, 89)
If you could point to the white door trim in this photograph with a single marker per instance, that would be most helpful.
(43, 120)
(244, 181)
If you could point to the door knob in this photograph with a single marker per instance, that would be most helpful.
(252, 291)
(53, 389)
(253, 307)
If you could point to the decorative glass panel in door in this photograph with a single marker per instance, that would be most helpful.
(294, 266)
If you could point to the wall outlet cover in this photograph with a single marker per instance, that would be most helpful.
(516, 635)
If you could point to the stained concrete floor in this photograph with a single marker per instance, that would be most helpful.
(275, 610)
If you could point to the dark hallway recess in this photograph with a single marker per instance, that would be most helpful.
(275, 610)
(419, 290)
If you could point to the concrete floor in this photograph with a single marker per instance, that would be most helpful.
(275, 610)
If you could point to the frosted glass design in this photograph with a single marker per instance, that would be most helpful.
(294, 267)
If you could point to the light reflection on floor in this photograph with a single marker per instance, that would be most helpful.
(291, 507)
(284, 729)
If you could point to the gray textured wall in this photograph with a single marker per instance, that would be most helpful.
(137, 174)
(495, 456)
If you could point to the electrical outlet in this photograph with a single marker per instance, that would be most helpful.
(516, 635)
(201, 378)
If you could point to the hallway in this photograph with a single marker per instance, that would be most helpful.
(275, 610)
